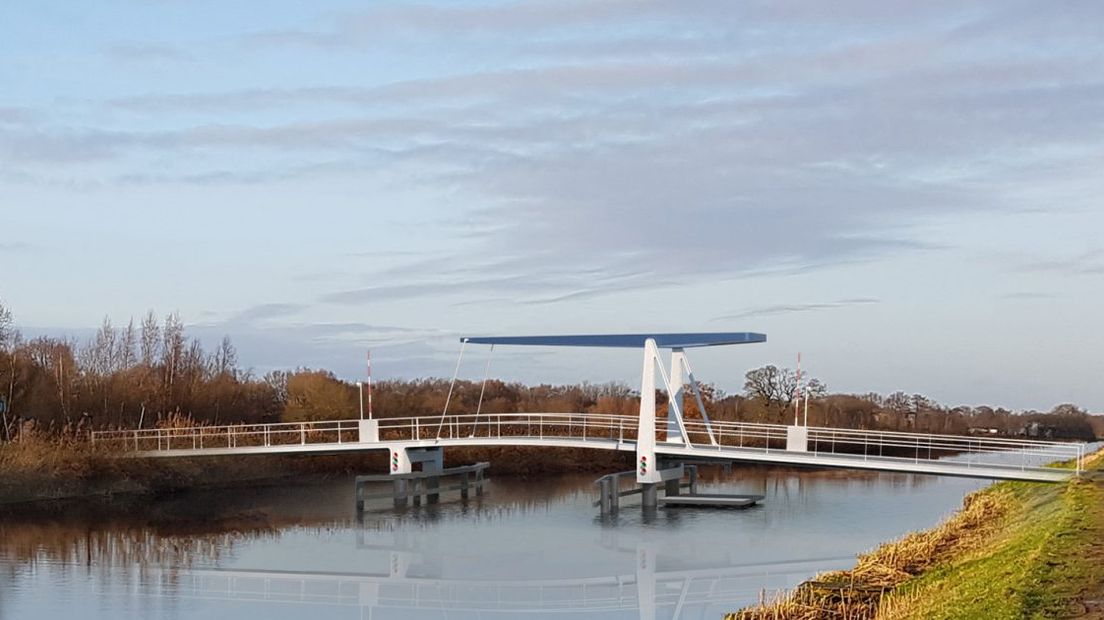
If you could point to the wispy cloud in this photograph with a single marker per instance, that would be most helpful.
(261, 312)
(1027, 296)
(779, 309)
(15, 246)
(146, 52)
(1090, 262)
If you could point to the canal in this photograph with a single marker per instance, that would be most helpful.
(532, 546)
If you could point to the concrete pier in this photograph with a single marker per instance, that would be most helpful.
(610, 493)
(412, 487)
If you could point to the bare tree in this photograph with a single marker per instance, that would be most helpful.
(7, 329)
(172, 349)
(778, 387)
(8, 338)
(226, 357)
(126, 342)
(150, 339)
(774, 386)
(277, 381)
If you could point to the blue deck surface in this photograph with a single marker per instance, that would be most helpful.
(666, 341)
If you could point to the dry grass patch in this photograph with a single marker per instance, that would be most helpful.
(858, 592)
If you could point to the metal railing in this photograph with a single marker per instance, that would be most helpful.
(229, 436)
(865, 445)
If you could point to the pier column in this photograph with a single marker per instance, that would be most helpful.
(604, 506)
(649, 495)
(671, 487)
(609, 494)
(433, 461)
(400, 492)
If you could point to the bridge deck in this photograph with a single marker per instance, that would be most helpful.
(947, 455)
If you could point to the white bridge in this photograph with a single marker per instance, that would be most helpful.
(674, 439)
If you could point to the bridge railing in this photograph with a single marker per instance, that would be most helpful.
(228, 436)
(510, 425)
(971, 451)
(515, 425)
(1005, 453)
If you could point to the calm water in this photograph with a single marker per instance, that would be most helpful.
(534, 546)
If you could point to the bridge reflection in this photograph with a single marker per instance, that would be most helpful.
(647, 593)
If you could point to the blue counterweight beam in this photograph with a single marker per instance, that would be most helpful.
(663, 341)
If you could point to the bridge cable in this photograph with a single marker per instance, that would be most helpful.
(482, 390)
(452, 385)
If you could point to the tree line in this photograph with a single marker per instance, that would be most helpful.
(152, 373)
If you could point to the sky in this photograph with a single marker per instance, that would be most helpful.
(909, 193)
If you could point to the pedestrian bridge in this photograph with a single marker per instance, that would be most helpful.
(677, 438)
(951, 455)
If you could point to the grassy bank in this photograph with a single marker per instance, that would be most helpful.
(1015, 550)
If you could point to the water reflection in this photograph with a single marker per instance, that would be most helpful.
(527, 546)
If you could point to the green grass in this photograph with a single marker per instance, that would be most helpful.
(1015, 550)
(1047, 556)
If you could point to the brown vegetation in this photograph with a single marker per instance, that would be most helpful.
(857, 593)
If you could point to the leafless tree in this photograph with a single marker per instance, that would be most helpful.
(8, 338)
(172, 349)
(150, 339)
(126, 342)
(226, 358)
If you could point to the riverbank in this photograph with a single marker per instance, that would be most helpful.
(41, 470)
(1015, 550)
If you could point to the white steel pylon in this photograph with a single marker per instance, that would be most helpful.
(646, 467)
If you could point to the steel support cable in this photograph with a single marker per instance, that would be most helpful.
(452, 385)
(482, 390)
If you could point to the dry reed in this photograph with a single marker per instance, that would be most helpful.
(856, 594)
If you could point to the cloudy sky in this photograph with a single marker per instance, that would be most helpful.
(908, 192)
